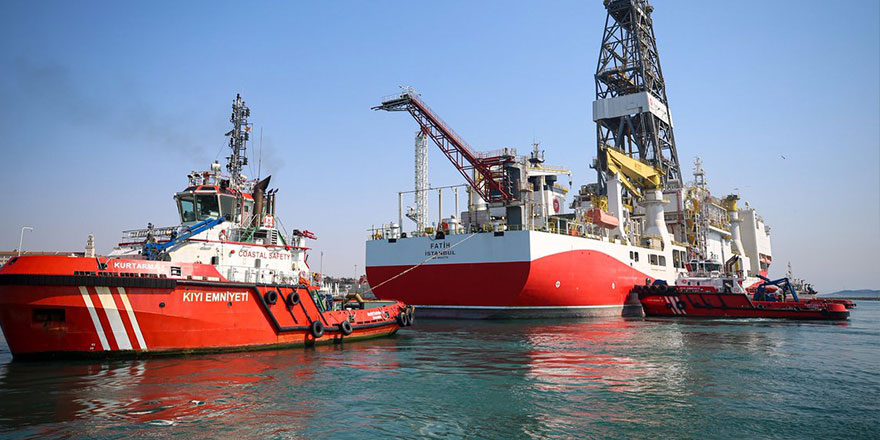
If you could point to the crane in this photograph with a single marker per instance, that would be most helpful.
(484, 172)
(634, 174)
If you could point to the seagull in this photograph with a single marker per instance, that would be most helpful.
(783, 157)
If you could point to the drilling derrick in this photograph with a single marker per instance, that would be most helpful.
(631, 110)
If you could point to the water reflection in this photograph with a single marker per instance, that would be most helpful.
(439, 379)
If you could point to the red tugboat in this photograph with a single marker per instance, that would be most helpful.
(227, 278)
(706, 291)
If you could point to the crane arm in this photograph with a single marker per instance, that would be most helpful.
(476, 168)
(634, 174)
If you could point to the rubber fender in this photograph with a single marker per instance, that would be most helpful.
(411, 314)
(317, 329)
(344, 327)
(271, 297)
(401, 319)
(293, 298)
(681, 304)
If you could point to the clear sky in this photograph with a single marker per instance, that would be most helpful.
(106, 106)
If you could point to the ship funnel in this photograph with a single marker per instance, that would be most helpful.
(259, 196)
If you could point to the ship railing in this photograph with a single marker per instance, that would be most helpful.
(141, 235)
(552, 168)
(501, 152)
(557, 226)
(250, 274)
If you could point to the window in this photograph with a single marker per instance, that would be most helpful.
(637, 256)
(187, 209)
(662, 259)
(208, 207)
(652, 259)
(228, 207)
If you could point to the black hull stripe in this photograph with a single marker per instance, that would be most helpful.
(15, 279)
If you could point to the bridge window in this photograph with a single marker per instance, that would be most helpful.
(209, 206)
(228, 207)
(198, 208)
(187, 209)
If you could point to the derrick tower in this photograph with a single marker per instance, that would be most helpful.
(631, 110)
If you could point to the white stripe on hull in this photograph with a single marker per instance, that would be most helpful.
(112, 313)
(132, 318)
(91, 307)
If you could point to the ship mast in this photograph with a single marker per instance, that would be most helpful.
(238, 138)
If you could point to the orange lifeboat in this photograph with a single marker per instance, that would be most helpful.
(602, 218)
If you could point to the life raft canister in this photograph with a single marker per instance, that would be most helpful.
(223, 236)
(269, 221)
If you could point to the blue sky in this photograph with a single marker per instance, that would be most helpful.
(108, 105)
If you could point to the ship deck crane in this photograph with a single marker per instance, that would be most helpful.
(634, 174)
(484, 172)
(155, 251)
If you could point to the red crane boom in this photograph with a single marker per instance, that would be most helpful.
(484, 172)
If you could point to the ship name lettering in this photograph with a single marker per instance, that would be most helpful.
(130, 265)
(440, 254)
(246, 253)
(215, 296)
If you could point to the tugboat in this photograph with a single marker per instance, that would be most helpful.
(708, 290)
(226, 278)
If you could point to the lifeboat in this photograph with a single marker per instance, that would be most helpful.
(226, 278)
(705, 291)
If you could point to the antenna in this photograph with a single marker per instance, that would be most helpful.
(260, 160)
(238, 138)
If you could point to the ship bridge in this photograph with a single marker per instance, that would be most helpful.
(202, 202)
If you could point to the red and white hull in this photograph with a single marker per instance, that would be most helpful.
(51, 306)
(706, 302)
(517, 274)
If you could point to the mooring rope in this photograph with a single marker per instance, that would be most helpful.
(423, 262)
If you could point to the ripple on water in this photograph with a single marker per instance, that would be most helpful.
(609, 378)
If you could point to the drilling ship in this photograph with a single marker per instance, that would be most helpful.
(228, 277)
(530, 246)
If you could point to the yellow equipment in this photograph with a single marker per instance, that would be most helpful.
(729, 202)
(634, 174)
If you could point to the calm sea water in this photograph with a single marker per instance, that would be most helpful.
(609, 378)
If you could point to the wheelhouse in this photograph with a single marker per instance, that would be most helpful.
(199, 203)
